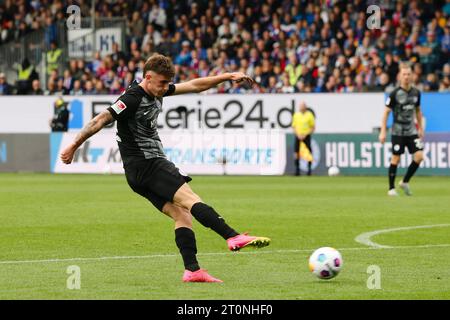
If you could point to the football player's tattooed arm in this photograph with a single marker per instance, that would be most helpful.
(382, 136)
(93, 126)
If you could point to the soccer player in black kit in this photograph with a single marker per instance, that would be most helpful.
(404, 102)
(147, 169)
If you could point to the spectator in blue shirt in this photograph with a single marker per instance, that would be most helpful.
(184, 57)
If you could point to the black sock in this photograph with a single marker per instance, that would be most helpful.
(309, 167)
(297, 167)
(392, 173)
(209, 218)
(411, 170)
(185, 240)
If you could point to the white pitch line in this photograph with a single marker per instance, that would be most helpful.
(56, 260)
(364, 238)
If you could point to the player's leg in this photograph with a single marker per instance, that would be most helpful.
(208, 217)
(395, 160)
(297, 155)
(415, 163)
(398, 147)
(184, 235)
(166, 181)
(415, 147)
(308, 145)
(186, 243)
(139, 178)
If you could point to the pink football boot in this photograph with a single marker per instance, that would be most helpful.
(200, 275)
(244, 240)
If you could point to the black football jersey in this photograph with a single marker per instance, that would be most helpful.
(403, 104)
(137, 113)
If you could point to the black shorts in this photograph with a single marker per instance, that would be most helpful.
(307, 142)
(156, 179)
(413, 143)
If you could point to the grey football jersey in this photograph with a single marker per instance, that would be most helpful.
(403, 104)
(137, 113)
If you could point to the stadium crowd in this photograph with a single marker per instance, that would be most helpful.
(286, 45)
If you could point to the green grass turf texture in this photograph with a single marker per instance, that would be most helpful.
(90, 216)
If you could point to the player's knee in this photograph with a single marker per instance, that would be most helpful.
(183, 217)
(186, 217)
(166, 209)
(395, 159)
(188, 201)
(418, 157)
(180, 215)
(185, 197)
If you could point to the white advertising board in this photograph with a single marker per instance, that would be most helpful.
(81, 41)
(234, 152)
(335, 113)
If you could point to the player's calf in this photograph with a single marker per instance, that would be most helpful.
(184, 235)
(411, 171)
(209, 218)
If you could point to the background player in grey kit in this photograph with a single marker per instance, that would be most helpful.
(147, 169)
(404, 102)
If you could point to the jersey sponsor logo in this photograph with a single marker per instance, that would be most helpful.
(119, 106)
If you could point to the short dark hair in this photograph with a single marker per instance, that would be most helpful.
(159, 64)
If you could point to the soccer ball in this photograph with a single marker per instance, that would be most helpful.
(107, 169)
(333, 171)
(325, 263)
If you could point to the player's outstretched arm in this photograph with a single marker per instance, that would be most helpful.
(205, 83)
(93, 126)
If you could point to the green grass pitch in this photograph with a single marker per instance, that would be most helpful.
(125, 249)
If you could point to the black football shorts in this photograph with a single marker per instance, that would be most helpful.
(413, 143)
(156, 179)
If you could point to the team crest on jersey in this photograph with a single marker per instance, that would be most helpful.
(119, 106)
(401, 96)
